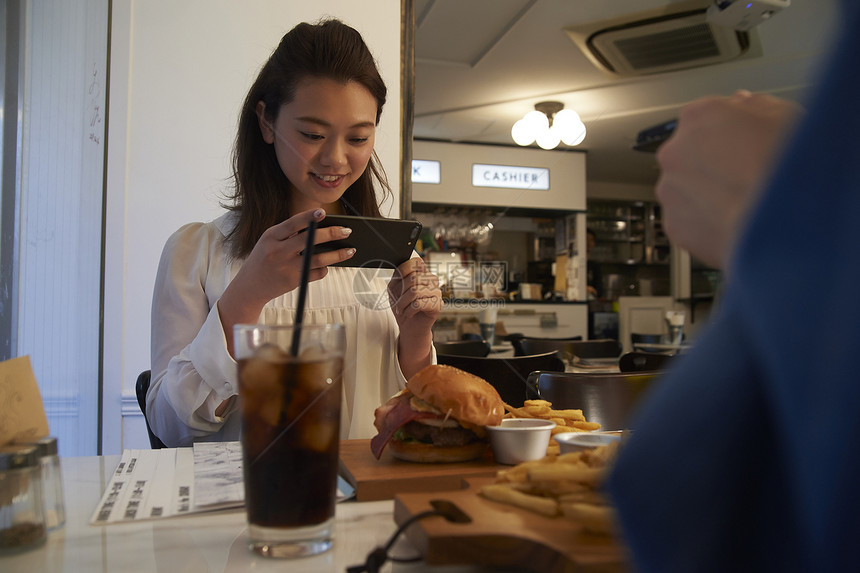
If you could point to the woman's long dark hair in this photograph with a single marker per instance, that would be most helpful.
(261, 192)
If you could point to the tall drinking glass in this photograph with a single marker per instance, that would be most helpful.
(290, 407)
(675, 321)
(487, 322)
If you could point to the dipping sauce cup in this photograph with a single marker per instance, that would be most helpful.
(290, 408)
(518, 440)
(580, 441)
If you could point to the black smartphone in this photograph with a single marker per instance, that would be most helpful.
(651, 139)
(378, 243)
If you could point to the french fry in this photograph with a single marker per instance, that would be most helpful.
(518, 412)
(588, 496)
(575, 415)
(556, 489)
(587, 426)
(598, 519)
(568, 472)
(573, 458)
(543, 505)
(600, 456)
(566, 484)
(538, 411)
(519, 473)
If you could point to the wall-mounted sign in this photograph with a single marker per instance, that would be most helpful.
(510, 177)
(424, 171)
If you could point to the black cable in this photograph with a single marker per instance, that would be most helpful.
(378, 557)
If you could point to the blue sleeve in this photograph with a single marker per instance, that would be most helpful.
(745, 456)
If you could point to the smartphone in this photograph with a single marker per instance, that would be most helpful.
(652, 138)
(378, 243)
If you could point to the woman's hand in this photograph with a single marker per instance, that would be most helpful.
(714, 167)
(274, 267)
(416, 301)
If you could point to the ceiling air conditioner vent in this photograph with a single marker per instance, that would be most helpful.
(660, 44)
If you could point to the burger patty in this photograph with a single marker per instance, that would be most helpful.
(443, 437)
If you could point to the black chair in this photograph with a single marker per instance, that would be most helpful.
(510, 337)
(478, 348)
(471, 336)
(516, 341)
(637, 338)
(141, 387)
(610, 399)
(644, 361)
(574, 338)
(509, 376)
(568, 349)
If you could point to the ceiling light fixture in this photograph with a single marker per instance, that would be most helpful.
(549, 124)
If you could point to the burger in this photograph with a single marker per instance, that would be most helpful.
(439, 417)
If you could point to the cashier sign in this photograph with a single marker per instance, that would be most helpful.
(510, 177)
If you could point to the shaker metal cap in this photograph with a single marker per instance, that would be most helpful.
(18, 457)
(45, 447)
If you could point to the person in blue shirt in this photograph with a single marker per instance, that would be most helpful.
(745, 456)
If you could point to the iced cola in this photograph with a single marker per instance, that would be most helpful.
(290, 434)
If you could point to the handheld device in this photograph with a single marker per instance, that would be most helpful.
(650, 139)
(378, 243)
(743, 15)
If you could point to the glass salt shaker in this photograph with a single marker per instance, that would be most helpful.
(22, 517)
(52, 482)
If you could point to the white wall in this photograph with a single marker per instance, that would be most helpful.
(179, 72)
(619, 191)
(566, 178)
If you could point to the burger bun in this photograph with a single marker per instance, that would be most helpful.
(470, 400)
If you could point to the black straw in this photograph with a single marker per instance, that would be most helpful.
(303, 287)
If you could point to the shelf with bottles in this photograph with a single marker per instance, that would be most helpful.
(705, 281)
(658, 249)
(628, 232)
(620, 231)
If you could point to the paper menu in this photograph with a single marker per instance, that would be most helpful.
(218, 474)
(151, 484)
(154, 484)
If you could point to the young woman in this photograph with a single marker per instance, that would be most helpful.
(304, 149)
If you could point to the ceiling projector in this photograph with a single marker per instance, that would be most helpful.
(743, 15)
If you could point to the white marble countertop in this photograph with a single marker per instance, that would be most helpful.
(206, 542)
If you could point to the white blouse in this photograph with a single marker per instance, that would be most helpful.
(192, 371)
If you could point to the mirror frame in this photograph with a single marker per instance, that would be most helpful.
(407, 103)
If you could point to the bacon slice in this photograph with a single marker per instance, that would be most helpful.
(392, 416)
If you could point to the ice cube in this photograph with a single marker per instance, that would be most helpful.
(271, 353)
(317, 376)
(261, 383)
(319, 437)
(270, 410)
(312, 353)
(264, 371)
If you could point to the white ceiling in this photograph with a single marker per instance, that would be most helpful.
(481, 64)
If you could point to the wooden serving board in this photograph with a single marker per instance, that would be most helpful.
(383, 478)
(503, 535)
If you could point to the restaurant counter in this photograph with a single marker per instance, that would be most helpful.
(215, 541)
(502, 302)
(541, 319)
